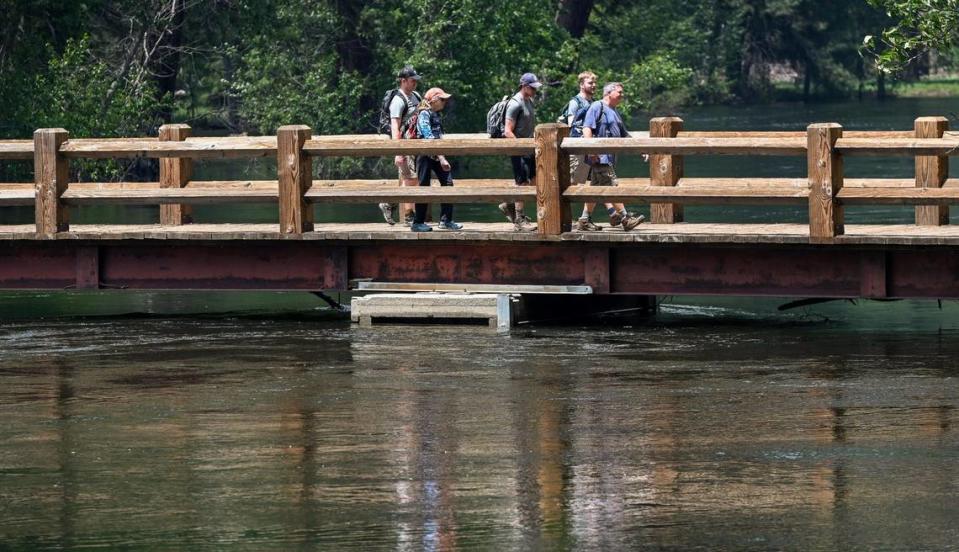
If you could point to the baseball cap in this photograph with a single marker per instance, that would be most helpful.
(529, 79)
(434, 93)
(408, 73)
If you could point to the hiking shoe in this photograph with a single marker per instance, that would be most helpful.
(448, 225)
(631, 222)
(522, 223)
(421, 227)
(615, 219)
(508, 210)
(387, 211)
(586, 225)
(408, 219)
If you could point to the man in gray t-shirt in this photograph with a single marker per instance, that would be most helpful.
(402, 107)
(520, 122)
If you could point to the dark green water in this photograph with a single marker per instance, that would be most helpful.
(150, 421)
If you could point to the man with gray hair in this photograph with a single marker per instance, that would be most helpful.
(603, 121)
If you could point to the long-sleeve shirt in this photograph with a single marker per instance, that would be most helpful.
(428, 125)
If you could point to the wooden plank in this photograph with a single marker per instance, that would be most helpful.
(553, 214)
(874, 134)
(363, 147)
(914, 146)
(825, 170)
(166, 196)
(665, 170)
(899, 196)
(210, 148)
(13, 150)
(931, 171)
(448, 194)
(295, 170)
(692, 195)
(473, 288)
(51, 171)
(175, 172)
(17, 198)
(687, 146)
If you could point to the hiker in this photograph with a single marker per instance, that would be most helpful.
(430, 127)
(401, 106)
(603, 121)
(573, 115)
(520, 122)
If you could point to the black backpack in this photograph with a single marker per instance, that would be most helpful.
(384, 126)
(496, 118)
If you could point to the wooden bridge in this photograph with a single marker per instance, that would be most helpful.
(824, 258)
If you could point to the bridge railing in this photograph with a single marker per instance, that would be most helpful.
(825, 190)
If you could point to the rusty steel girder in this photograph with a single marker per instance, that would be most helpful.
(834, 271)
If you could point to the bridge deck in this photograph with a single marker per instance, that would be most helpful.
(865, 234)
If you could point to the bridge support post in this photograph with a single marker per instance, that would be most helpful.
(51, 173)
(175, 172)
(295, 171)
(553, 212)
(665, 170)
(931, 171)
(825, 172)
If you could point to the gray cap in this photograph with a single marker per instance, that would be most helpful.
(408, 73)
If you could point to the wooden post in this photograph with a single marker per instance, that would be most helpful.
(51, 172)
(931, 171)
(665, 170)
(553, 212)
(824, 166)
(295, 170)
(175, 172)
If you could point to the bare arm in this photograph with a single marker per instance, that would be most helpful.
(508, 130)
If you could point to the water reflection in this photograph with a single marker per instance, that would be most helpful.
(301, 435)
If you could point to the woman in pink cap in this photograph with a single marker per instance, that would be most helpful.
(430, 127)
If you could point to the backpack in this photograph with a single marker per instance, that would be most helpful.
(411, 129)
(576, 128)
(496, 118)
(384, 125)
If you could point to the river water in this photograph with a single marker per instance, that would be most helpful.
(261, 421)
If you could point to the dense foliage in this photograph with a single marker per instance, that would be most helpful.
(921, 25)
(122, 67)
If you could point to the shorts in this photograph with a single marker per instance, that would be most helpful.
(407, 171)
(578, 169)
(603, 175)
(524, 169)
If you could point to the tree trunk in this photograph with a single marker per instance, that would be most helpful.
(352, 50)
(881, 86)
(573, 15)
(168, 61)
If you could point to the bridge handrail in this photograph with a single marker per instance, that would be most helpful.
(667, 190)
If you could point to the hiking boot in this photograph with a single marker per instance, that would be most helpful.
(408, 219)
(615, 220)
(586, 225)
(387, 211)
(509, 210)
(632, 221)
(421, 227)
(448, 225)
(522, 223)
